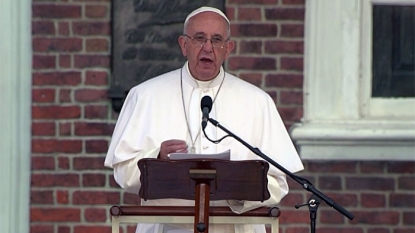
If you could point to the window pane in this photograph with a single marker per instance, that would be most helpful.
(393, 65)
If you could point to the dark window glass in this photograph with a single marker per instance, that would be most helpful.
(393, 66)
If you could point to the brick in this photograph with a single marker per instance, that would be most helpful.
(251, 63)
(44, 61)
(65, 129)
(63, 163)
(90, 95)
(54, 145)
(87, 61)
(335, 167)
(41, 228)
(95, 215)
(230, 12)
(93, 129)
(253, 78)
(96, 146)
(377, 230)
(293, 114)
(376, 217)
(284, 80)
(294, 216)
(284, 47)
(41, 197)
(64, 229)
(87, 28)
(372, 167)
(285, 14)
(112, 182)
(250, 47)
(291, 97)
(96, 11)
(65, 96)
(292, 63)
(95, 111)
(95, 197)
(294, 229)
(43, 28)
(96, 78)
(292, 30)
(57, 44)
(340, 230)
(54, 214)
(92, 229)
(292, 199)
(369, 183)
(43, 95)
(43, 128)
(253, 2)
(56, 112)
(62, 197)
(401, 167)
(52, 11)
(254, 30)
(371, 200)
(293, 2)
(70, 78)
(93, 180)
(65, 61)
(249, 14)
(88, 163)
(131, 199)
(55, 180)
(42, 163)
(406, 183)
(63, 28)
(402, 200)
(330, 182)
(97, 45)
(408, 218)
(331, 217)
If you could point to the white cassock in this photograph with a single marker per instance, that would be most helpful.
(154, 111)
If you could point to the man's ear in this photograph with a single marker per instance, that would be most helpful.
(182, 43)
(230, 45)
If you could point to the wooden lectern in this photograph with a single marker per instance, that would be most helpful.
(202, 180)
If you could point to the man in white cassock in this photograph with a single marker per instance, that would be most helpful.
(163, 116)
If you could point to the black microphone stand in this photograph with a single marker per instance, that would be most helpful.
(307, 185)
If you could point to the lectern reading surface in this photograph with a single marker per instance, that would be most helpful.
(238, 180)
(203, 180)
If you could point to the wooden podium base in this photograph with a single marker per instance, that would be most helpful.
(180, 214)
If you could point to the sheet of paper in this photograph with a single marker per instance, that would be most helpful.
(226, 155)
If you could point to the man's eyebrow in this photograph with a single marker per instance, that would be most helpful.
(204, 34)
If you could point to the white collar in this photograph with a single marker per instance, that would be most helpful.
(189, 79)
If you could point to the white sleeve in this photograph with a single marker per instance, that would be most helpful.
(127, 174)
(277, 187)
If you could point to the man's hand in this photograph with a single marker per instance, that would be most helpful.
(172, 146)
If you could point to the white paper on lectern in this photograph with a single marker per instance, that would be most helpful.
(226, 155)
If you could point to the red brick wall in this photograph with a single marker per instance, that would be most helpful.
(71, 191)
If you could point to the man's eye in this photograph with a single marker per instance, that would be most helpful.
(217, 40)
(200, 38)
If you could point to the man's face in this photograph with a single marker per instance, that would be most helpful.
(205, 61)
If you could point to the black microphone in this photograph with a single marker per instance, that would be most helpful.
(206, 106)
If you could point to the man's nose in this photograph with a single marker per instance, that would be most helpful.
(208, 46)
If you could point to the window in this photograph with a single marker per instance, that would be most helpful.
(347, 114)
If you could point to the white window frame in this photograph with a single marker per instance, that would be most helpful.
(341, 120)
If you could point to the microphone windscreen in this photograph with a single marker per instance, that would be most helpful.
(206, 102)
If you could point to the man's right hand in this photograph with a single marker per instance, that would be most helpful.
(172, 146)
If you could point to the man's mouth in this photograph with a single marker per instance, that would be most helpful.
(206, 60)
